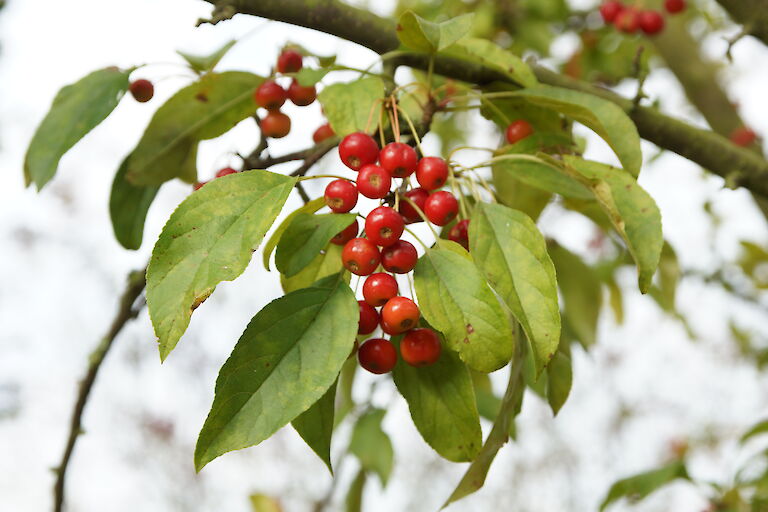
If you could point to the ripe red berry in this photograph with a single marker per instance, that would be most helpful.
(432, 172)
(399, 159)
(460, 234)
(373, 181)
(225, 172)
(651, 22)
(275, 124)
(674, 6)
(399, 258)
(270, 95)
(289, 61)
(369, 318)
(384, 226)
(300, 95)
(199, 185)
(360, 256)
(142, 90)
(441, 208)
(628, 20)
(399, 314)
(518, 130)
(347, 234)
(743, 136)
(323, 132)
(419, 197)
(358, 149)
(610, 9)
(420, 347)
(377, 355)
(379, 288)
(341, 196)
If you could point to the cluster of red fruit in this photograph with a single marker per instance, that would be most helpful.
(630, 19)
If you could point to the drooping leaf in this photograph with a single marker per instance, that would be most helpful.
(315, 425)
(76, 110)
(205, 63)
(559, 380)
(287, 358)
(421, 35)
(455, 298)
(516, 194)
(305, 237)
(325, 264)
(603, 117)
(349, 106)
(632, 211)
(488, 53)
(512, 253)
(371, 445)
(669, 276)
(208, 239)
(539, 173)
(354, 499)
(441, 399)
(641, 485)
(203, 110)
(128, 207)
(310, 207)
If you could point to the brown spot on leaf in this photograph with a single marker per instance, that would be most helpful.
(470, 329)
(399, 27)
(466, 340)
(202, 97)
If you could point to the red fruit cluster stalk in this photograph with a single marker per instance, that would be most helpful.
(631, 18)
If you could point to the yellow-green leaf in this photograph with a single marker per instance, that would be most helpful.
(306, 236)
(349, 106)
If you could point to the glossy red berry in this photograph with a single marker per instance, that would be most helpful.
(275, 124)
(360, 256)
(628, 21)
(518, 130)
(199, 185)
(441, 208)
(432, 172)
(358, 149)
(379, 288)
(377, 355)
(610, 9)
(270, 95)
(323, 132)
(459, 233)
(399, 159)
(674, 6)
(300, 95)
(399, 258)
(384, 226)
(225, 172)
(289, 61)
(142, 90)
(420, 347)
(373, 181)
(369, 318)
(341, 196)
(743, 136)
(347, 234)
(651, 22)
(399, 314)
(419, 197)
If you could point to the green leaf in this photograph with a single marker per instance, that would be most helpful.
(441, 399)
(203, 110)
(559, 380)
(371, 445)
(606, 119)
(456, 300)
(488, 404)
(76, 110)
(631, 210)
(309, 76)
(516, 194)
(354, 499)
(512, 254)
(758, 429)
(539, 173)
(305, 237)
(209, 239)
(264, 503)
(641, 485)
(325, 264)
(489, 54)
(345, 403)
(310, 207)
(349, 106)
(205, 63)
(421, 35)
(128, 207)
(315, 425)
(287, 358)
(669, 276)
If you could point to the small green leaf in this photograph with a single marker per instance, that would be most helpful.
(559, 380)
(309, 76)
(208, 239)
(315, 425)
(310, 207)
(641, 485)
(264, 503)
(354, 499)
(456, 300)
(605, 118)
(371, 445)
(349, 106)
(325, 264)
(77, 109)
(669, 276)
(512, 253)
(488, 53)
(203, 110)
(128, 207)
(758, 429)
(205, 63)
(305, 237)
(421, 35)
(287, 358)
(441, 399)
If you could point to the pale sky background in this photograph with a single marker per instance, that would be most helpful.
(62, 271)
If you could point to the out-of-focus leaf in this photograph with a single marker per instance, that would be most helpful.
(371, 445)
(205, 63)
(641, 485)
(128, 207)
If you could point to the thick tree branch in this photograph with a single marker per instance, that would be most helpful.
(753, 14)
(713, 152)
